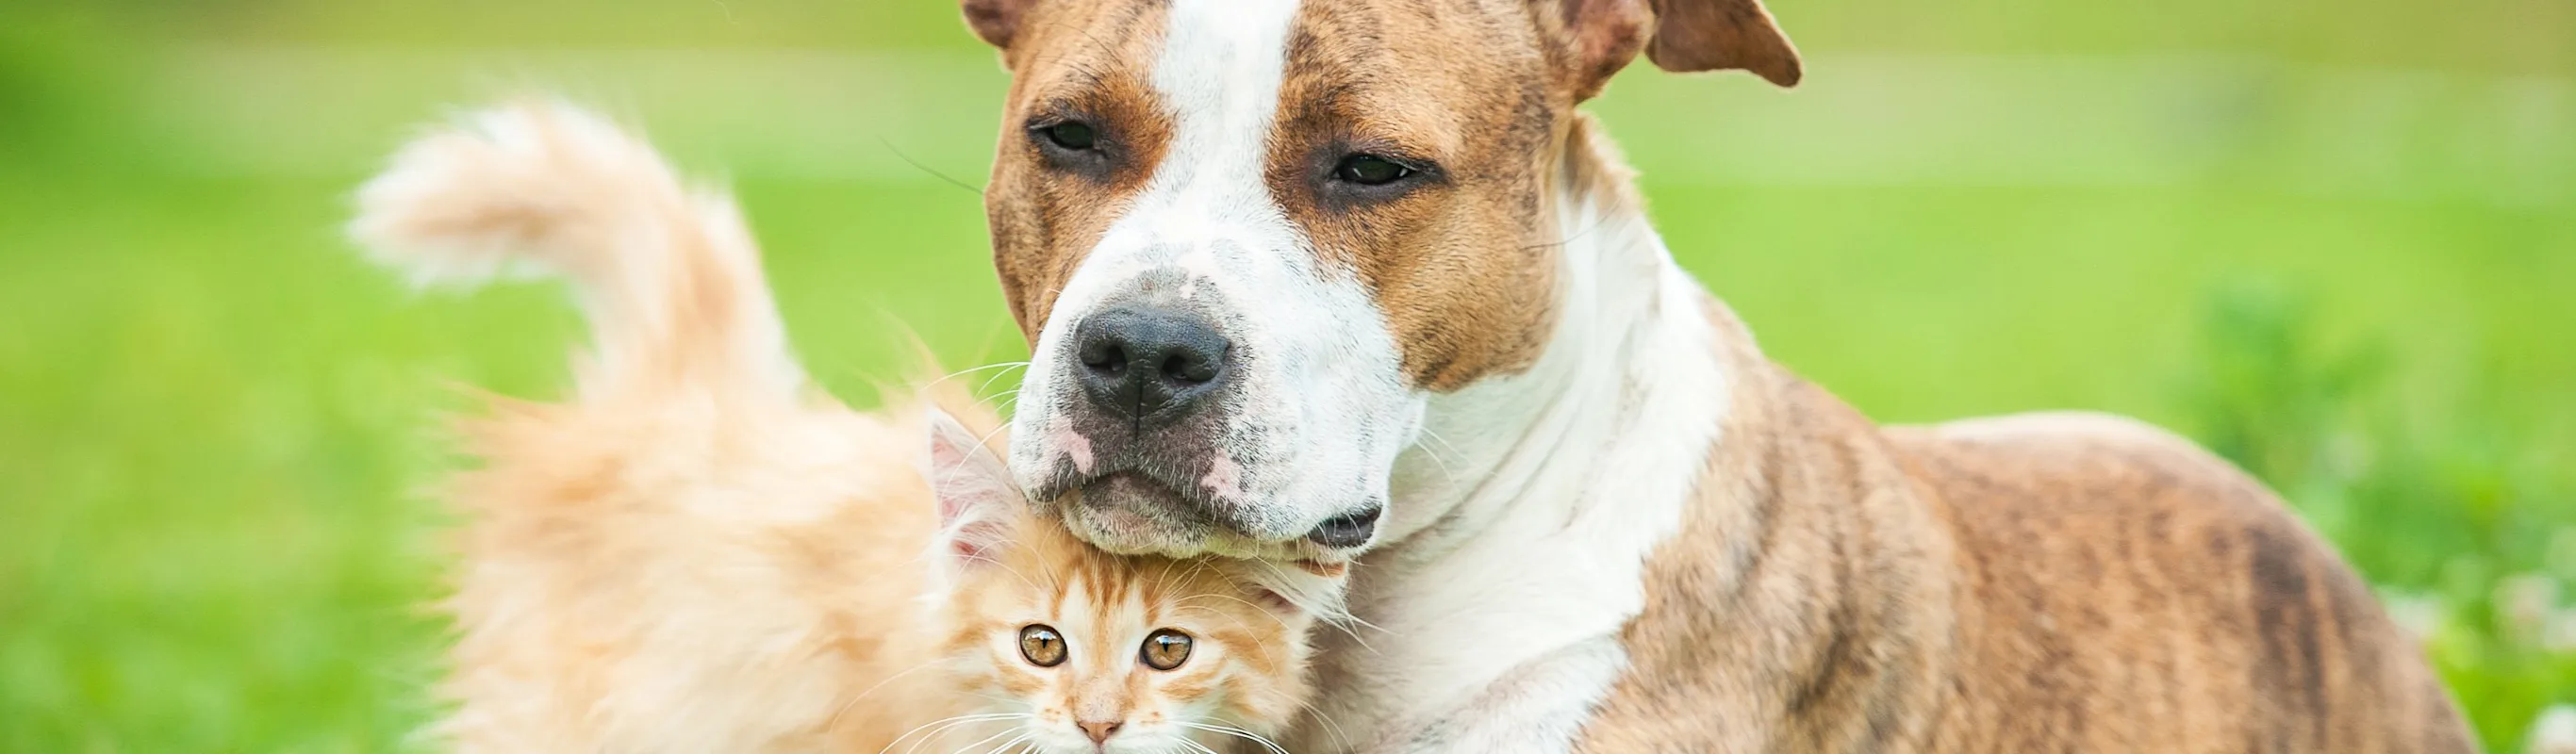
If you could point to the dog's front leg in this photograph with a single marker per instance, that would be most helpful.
(1538, 708)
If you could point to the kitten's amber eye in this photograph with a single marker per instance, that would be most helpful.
(1165, 649)
(1041, 645)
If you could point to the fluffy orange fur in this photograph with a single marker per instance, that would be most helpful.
(699, 551)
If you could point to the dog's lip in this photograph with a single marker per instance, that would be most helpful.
(1068, 480)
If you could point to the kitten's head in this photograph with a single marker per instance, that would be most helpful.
(1088, 651)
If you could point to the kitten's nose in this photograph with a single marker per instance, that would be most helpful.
(1100, 731)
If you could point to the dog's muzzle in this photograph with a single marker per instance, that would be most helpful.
(1152, 386)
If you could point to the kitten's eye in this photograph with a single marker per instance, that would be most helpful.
(1371, 170)
(1040, 644)
(1073, 135)
(1165, 649)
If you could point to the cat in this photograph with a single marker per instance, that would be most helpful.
(699, 551)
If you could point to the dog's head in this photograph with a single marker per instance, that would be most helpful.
(1248, 238)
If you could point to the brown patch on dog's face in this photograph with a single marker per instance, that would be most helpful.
(1459, 251)
(1073, 63)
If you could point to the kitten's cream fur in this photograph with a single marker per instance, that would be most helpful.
(701, 552)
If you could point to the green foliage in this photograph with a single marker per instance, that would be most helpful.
(213, 418)
(2469, 531)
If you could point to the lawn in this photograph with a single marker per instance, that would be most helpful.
(2342, 253)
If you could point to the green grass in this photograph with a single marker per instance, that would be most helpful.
(2346, 263)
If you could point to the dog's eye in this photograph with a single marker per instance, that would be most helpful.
(1073, 135)
(1041, 645)
(1165, 649)
(1371, 170)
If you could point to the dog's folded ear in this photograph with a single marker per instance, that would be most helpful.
(996, 21)
(1713, 35)
(1602, 36)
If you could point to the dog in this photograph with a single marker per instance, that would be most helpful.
(1356, 281)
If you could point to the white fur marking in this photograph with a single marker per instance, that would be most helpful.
(1551, 488)
(1321, 408)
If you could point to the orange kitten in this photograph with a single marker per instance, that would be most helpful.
(701, 552)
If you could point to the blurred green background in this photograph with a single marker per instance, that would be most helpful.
(2335, 239)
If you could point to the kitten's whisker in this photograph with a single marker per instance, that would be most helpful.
(1024, 578)
(979, 744)
(1003, 700)
(972, 370)
(1283, 623)
(1165, 578)
(942, 724)
(853, 701)
(1332, 605)
(1342, 739)
(1001, 400)
(987, 439)
(1006, 369)
(1434, 454)
(1236, 732)
(1023, 738)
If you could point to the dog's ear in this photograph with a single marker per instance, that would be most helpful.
(996, 21)
(1710, 35)
(1598, 37)
(977, 500)
(1602, 36)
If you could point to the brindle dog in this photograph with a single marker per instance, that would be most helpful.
(1355, 281)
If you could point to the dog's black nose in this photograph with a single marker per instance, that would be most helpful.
(1150, 365)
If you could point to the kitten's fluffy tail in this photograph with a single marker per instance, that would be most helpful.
(669, 277)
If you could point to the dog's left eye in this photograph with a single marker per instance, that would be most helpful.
(1073, 135)
(1371, 170)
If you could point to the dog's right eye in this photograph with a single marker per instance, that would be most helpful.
(1371, 170)
(1071, 135)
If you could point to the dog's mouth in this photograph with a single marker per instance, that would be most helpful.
(1128, 486)
(1136, 511)
(1130, 511)
(1136, 489)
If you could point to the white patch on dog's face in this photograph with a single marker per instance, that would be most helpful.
(1315, 407)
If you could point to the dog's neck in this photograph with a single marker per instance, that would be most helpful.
(1524, 515)
(1626, 398)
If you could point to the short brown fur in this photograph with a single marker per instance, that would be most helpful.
(2076, 583)
(2028, 584)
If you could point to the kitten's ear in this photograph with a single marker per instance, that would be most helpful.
(977, 501)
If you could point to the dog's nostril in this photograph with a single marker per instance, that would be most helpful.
(1107, 359)
(1347, 530)
(1188, 370)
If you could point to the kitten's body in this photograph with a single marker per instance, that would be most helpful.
(700, 552)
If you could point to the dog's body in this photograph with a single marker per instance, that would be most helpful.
(2048, 582)
(1408, 311)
